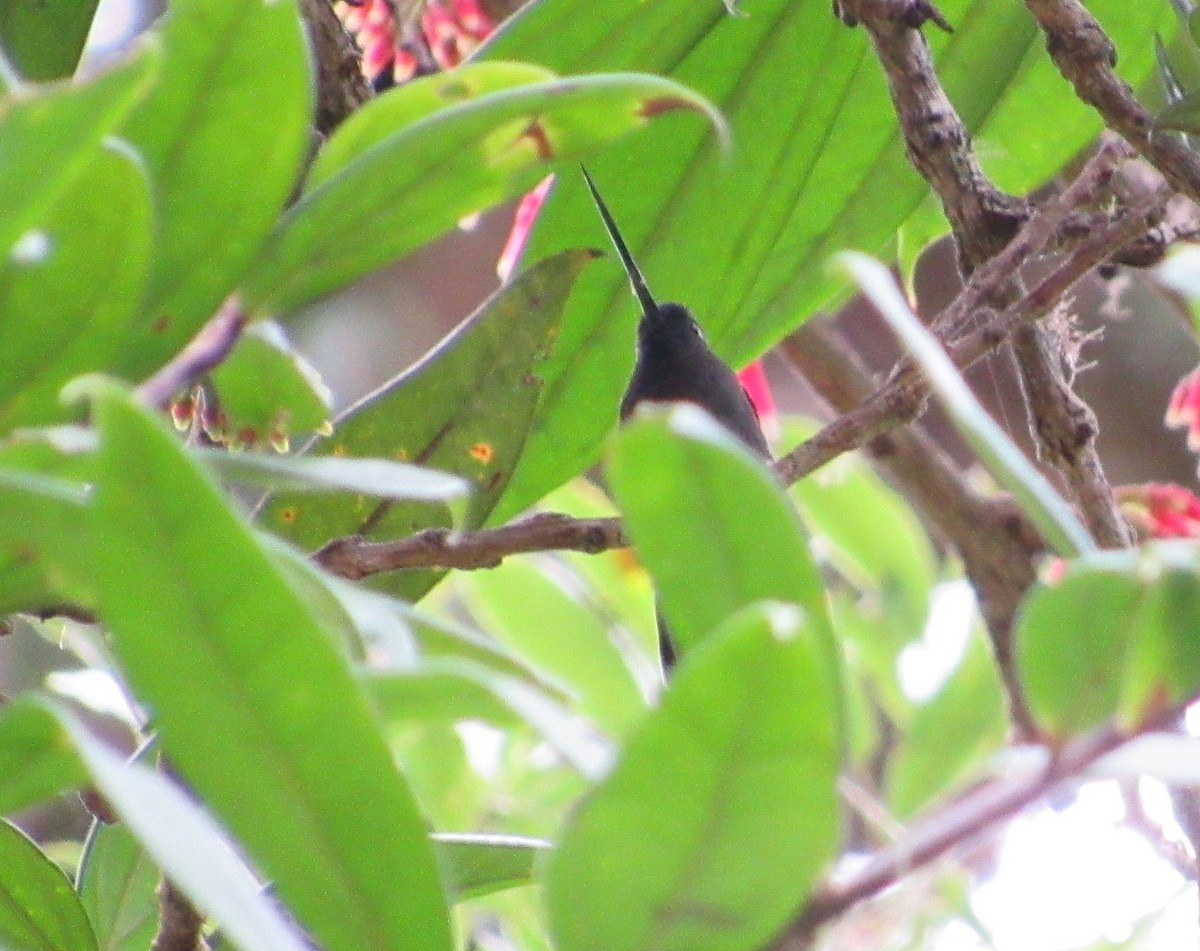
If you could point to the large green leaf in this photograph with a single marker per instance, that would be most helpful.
(44, 40)
(268, 726)
(714, 529)
(1112, 635)
(39, 910)
(722, 810)
(527, 610)
(118, 885)
(817, 165)
(49, 135)
(465, 408)
(419, 180)
(69, 311)
(223, 135)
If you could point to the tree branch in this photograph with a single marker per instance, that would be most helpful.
(1086, 56)
(956, 825)
(355, 557)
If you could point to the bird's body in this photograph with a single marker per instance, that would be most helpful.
(675, 364)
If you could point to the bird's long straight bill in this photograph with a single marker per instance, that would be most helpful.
(636, 280)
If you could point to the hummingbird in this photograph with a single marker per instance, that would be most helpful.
(676, 364)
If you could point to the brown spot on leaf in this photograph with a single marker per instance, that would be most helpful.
(536, 133)
(493, 481)
(482, 452)
(338, 450)
(455, 90)
(161, 324)
(287, 515)
(401, 455)
(657, 105)
(247, 436)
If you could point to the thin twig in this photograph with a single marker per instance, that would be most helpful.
(204, 352)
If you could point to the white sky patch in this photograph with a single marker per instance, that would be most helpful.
(1070, 878)
(924, 666)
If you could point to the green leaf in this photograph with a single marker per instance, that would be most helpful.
(69, 311)
(38, 908)
(43, 501)
(873, 537)
(1049, 511)
(465, 408)
(185, 841)
(951, 734)
(450, 690)
(118, 885)
(713, 527)
(374, 477)
(424, 177)
(398, 108)
(479, 864)
(538, 619)
(35, 762)
(50, 135)
(267, 392)
(1113, 635)
(269, 726)
(722, 811)
(817, 165)
(44, 40)
(223, 135)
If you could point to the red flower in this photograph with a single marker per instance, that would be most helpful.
(755, 383)
(1184, 408)
(1161, 510)
(449, 29)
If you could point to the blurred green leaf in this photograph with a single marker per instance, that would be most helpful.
(417, 181)
(535, 617)
(50, 135)
(375, 477)
(44, 40)
(951, 734)
(873, 536)
(1113, 635)
(711, 524)
(452, 690)
(386, 114)
(1182, 115)
(39, 910)
(35, 763)
(43, 502)
(267, 392)
(817, 165)
(721, 812)
(118, 885)
(479, 864)
(184, 840)
(223, 136)
(465, 408)
(620, 588)
(269, 726)
(69, 310)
